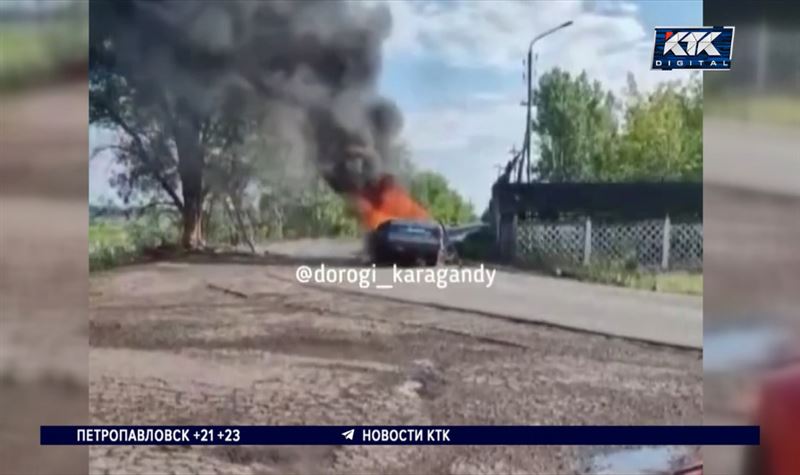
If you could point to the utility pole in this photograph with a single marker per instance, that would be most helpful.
(526, 157)
(530, 119)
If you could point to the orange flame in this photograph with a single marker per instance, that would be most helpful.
(386, 200)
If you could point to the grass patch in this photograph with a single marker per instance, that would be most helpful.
(687, 283)
(24, 49)
(680, 283)
(113, 243)
(30, 52)
(109, 234)
(110, 245)
(778, 110)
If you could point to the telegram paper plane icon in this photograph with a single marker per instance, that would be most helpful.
(349, 434)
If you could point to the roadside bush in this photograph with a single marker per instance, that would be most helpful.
(103, 258)
(113, 244)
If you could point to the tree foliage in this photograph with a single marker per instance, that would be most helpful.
(576, 126)
(167, 144)
(662, 138)
(587, 134)
(444, 203)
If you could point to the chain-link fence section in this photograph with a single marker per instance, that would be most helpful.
(638, 244)
(686, 245)
(634, 243)
(561, 242)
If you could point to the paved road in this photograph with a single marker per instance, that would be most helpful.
(662, 318)
(737, 154)
(752, 156)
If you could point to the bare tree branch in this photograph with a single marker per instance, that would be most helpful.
(137, 140)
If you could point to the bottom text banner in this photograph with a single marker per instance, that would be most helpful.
(399, 435)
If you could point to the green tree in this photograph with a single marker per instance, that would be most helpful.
(662, 135)
(165, 150)
(444, 203)
(167, 142)
(576, 127)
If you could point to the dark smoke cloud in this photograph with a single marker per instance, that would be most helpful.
(313, 63)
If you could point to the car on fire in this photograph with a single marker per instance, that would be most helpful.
(407, 242)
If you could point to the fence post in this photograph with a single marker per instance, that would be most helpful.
(514, 225)
(587, 241)
(665, 244)
(508, 236)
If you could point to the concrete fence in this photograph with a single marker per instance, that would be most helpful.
(648, 244)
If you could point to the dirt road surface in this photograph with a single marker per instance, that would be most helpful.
(170, 346)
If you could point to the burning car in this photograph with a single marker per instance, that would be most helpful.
(399, 230)
(407, 242)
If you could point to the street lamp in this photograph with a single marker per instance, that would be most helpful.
(527, 145)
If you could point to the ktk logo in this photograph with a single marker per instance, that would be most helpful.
(697, 48)
(696, 43)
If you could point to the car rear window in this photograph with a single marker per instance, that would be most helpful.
(411, 230)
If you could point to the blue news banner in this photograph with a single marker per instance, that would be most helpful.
(399, 435)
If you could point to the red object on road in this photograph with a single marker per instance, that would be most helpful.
(778, 414)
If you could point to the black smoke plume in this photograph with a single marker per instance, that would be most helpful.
(319, 60)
